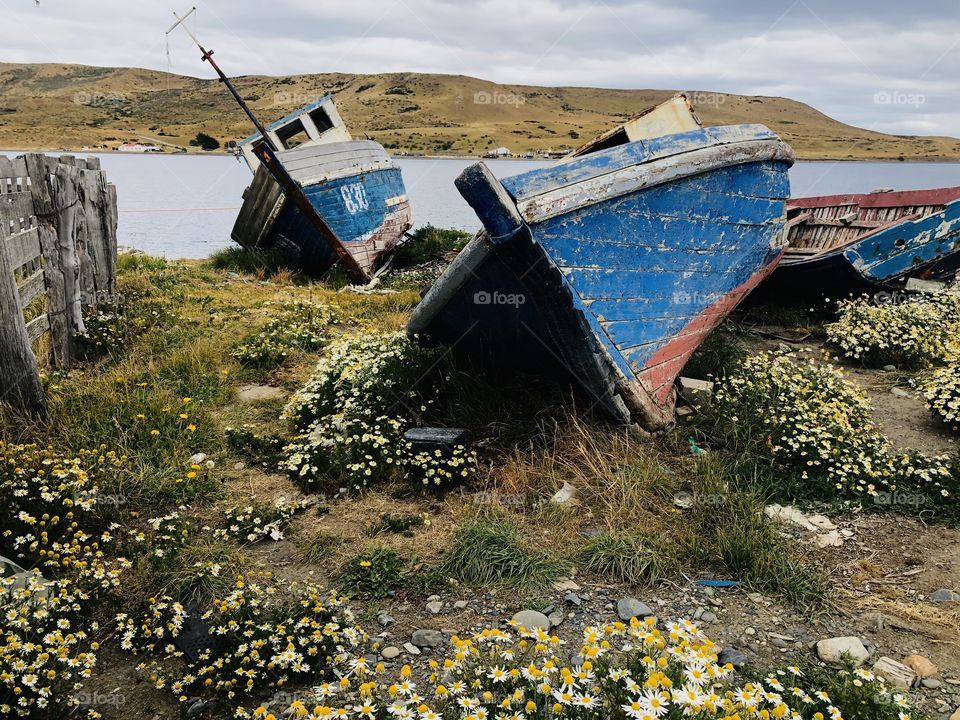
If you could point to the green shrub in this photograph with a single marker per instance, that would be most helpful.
(719, 355)
(430, 243)
(373, 574)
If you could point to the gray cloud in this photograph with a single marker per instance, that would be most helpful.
(885, 66)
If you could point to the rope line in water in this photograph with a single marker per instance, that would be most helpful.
(162, 210)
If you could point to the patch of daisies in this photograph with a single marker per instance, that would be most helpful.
(57, 559)
(350, 417)
(643, 670)
(810, 419)
(912, 335)
(941, 394)
(295, 325)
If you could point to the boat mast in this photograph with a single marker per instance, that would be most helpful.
(267, 153)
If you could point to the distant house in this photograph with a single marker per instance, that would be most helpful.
(137, 148)
(499, 152)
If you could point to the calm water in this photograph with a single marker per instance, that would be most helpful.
(185, 205)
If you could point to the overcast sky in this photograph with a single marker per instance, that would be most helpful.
(888, 66)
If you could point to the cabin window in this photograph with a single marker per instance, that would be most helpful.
(321, 120)
(292, 134)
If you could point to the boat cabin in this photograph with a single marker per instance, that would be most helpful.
(315, 124)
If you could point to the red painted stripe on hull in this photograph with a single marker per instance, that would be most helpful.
(662, 369)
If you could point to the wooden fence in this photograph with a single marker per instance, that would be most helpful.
(58, 237)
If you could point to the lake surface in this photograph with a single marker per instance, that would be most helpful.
(185, 205)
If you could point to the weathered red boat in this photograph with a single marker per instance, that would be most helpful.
(840, 243)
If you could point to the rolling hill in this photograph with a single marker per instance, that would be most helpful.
(52, 106)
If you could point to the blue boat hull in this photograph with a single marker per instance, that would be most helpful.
(356, 208)
(354, 186)
(617, 265)
(926, 248)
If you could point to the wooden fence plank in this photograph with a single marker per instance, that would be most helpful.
(37, 327)
(23, 247)
(20, 385)
(31, 288)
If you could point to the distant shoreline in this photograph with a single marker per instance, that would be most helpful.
(943, 160)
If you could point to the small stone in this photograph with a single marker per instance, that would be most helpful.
(427, 638)
(460, 605)
(931, 683)
(565, 584)
(921, 666)
(239, 466)
(259, 393)
(750, 631)
(889, 368)
(733, 656)
(832, 650)
(944, 595)
(895, 673)
(629, 608)
(780, 643)
(390, 652)
(531, 620)
(572, 599)
(708, 616)
(555, 618)
(197, 458)
(564, 494)
(411, 648)
(434, 607)
(683, 500)
(956, 714)
(198, 707)
(385, 619)
(830, 539)
(900, 392)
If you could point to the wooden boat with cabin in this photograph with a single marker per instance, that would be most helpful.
(614, 264)
(353, 184)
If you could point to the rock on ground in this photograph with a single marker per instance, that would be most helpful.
(629, 608)
(531, 620)
(832, 650)
(427, 638)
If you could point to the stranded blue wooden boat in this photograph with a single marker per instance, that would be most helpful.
(844, 243)
(615, 264)
(352, 184)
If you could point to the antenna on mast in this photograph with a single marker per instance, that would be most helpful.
(207, 56)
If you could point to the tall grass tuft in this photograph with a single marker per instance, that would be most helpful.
(492, 551)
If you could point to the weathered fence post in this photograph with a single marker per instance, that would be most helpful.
(58, 234)
(19, 372)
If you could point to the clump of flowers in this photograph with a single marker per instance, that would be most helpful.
(111, 325)
(252, 523)
(636, 671)
(810, 418)
(297, 325)
(53, 533)
(941, 394)
(909, 335)
(438, 468)
(352, 414)
(45, 652)
(261, 636)
(51, 523)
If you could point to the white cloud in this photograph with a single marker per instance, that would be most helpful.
(836, 56)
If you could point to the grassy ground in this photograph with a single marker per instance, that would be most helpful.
(171, 357)
(172, 379)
